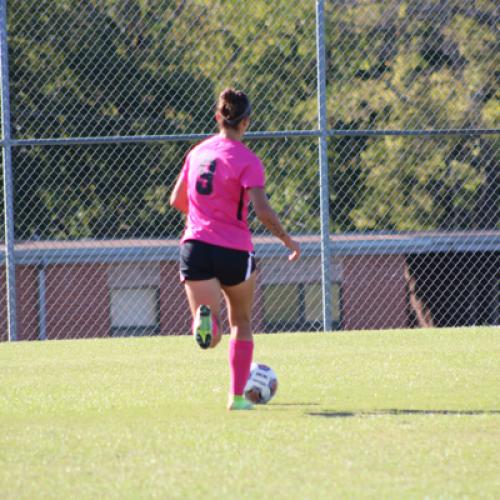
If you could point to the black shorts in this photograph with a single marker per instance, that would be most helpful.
(203, 261)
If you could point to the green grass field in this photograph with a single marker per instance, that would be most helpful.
(394, 414)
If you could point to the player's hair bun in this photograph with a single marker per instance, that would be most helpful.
(233, 105)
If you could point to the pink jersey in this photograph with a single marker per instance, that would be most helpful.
(218, 171)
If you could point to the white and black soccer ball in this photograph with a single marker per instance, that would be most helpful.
(261, 385)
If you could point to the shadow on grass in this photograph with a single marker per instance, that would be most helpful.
(294, 404)
(395, 411)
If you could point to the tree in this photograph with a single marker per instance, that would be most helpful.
(133, 67)
(413, 65)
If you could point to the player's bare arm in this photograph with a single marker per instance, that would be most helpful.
(269, 218)
(179, 197)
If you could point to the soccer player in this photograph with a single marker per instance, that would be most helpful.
(219, 177)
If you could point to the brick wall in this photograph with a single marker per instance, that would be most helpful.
(374, 292)
(374, 296)
(77, 301)
(175, 317)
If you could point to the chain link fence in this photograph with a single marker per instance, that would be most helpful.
(107, 96)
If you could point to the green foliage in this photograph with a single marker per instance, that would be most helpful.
(134, 67)
(407, 65)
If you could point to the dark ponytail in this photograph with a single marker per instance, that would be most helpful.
(233, 107)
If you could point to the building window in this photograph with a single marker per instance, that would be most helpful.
(298, 307)
(314, 304)
(281, 304)
(135, 311)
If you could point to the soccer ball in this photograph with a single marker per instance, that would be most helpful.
(261, 385)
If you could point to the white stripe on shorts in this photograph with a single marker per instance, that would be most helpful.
(249, 265)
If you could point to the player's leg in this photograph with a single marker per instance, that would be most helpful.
(204, 302)
(239, 299)
(203, 291)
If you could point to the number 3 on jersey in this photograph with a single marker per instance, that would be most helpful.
(204, 184)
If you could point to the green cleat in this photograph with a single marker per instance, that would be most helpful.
(203, 327)
(239, 403)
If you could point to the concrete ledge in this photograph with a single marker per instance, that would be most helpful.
(106, 251)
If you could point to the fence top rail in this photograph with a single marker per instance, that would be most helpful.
(134, 250)
(285, 134)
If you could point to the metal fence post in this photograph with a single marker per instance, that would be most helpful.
(7, 176)
(323, 167)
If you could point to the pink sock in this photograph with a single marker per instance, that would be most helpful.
(240, 359)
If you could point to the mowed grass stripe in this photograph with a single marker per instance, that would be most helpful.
(357, 414)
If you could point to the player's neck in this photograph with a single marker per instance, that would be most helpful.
(234, 135)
